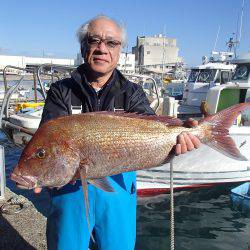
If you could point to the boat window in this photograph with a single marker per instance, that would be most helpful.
(241, 73)
(202, 75)
(225, 77)
(206, 75)
(193, 75)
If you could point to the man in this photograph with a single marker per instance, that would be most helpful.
(96, 85)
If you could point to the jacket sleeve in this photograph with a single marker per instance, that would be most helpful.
(54, 104)
(138, 102)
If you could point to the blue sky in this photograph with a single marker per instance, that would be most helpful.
(31, 27)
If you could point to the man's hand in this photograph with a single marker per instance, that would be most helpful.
(185, 141)
(37, 190)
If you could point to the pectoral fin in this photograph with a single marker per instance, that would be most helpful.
(82, 172)
(102, 183)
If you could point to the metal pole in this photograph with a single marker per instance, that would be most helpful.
(2, 173)
(35, 86)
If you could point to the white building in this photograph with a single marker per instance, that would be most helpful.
(126, 62)
(23, 61)
(156, 53)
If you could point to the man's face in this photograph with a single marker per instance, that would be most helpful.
(103, 46)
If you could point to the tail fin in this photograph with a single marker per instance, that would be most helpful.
(220, 139)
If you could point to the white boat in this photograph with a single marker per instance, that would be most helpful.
(216, 71)
(205, 166)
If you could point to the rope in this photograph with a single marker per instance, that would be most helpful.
(172, 244)
(15, 205)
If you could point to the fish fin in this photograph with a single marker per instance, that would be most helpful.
(220, 123)
(101, 183)
(168, 120)
(82, 172)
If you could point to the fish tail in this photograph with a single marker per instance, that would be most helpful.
(220, 123)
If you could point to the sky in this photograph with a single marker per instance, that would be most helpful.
(48, 28)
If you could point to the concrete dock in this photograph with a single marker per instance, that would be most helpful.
(24, 230)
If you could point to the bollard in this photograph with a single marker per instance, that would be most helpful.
(2, 173)
(170, 106)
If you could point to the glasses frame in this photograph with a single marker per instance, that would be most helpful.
(110, 43)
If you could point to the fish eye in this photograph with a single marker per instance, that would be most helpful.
(40, 153)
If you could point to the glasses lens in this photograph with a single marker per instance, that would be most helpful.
(94, 40)
(112, 43)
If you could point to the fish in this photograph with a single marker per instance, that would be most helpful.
(92, 146)
(104, 143)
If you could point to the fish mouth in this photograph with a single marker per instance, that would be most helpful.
(24, 182)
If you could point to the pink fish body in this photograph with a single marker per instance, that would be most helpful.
(104, 143)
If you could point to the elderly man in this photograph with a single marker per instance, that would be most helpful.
(97, 85)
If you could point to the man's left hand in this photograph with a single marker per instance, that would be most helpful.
(185, 141)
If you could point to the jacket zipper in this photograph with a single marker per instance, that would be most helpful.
(98, 104)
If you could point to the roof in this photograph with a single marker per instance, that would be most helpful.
(243, 58)
(211, 65)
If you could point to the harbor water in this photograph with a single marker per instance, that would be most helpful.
(204, 218)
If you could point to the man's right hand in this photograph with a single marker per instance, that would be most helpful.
(37, 190)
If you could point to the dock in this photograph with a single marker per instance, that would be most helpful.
(23, 230)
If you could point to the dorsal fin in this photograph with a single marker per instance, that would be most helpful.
(168, 120)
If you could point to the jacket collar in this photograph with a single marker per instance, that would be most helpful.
(116, 87)
(118, 81)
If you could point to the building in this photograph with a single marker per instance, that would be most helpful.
(126, 62)
(157, 54)
(25, 61)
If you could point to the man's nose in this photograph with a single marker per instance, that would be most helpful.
(102, 47)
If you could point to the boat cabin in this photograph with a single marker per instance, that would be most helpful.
(202, 78)
(233, 92)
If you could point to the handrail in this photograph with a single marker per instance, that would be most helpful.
(12, 67)
(154, 83)
(2, 173)
(6, 100)
(27, 70)
(61, 68)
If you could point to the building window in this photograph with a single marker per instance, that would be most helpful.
(148, 52)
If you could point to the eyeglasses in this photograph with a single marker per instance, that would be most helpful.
(94, 41)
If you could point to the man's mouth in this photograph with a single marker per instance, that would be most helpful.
(99, 60)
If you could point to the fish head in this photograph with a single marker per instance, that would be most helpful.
(49, 160)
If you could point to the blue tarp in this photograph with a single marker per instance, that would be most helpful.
(240, 197)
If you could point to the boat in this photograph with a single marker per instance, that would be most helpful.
(21, 119)
(216, 71)
(207, 167)
(240, 198)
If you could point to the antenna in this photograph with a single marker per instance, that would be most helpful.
(215, 43)
(241, 17)
(238, 34)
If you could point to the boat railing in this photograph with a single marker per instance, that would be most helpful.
(2, 173)
(6, 100)
(10, 90)
(24, 72)
(155, 89)
(54, 71)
